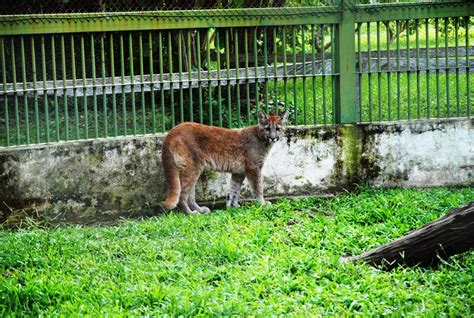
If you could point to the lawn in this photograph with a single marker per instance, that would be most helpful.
(256, 260)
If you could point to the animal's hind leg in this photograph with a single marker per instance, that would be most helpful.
(172, 177)
(188, 182)
(192, 201)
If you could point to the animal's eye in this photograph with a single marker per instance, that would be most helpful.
(277, 129)
(268, 128)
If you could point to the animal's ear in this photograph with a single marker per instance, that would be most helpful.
(262, 118)
(284, 117)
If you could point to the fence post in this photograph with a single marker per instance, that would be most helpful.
(345, 87)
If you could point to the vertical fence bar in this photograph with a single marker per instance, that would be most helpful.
(45, 95)
(247, 79)
(255, 57)
(189, 69)
(438, 110)
(379, 71)
(15, 94)
(180, 76)
(265, 67)
(209, 79)
(132, 84)
(152, 82)
(74, 87)
(199, 70)
(33, 65)
(456, 47)
(467, 68)
(162, 84)
(94, 87)
(389, 72)
(55, 87)
(171, 79)
(369, 67)
(303, 55)
(359, 51)
(142, 82)
(219, 83)
(417, 45)
(4, 80)
(446, 59)
(335, 70)
(275, 69)
(122, 80)
(237, 79)
(64, 77)
(293, 46)
(399, 97)
(408, 70)
(323, 77)
(25, 95)
(104, 85)
(84, 89)
(112, 75)
(345, 89)
(285, 71)
(227, 64)
(313, 73)
(427, 39)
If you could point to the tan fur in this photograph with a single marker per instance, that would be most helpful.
(189, 148)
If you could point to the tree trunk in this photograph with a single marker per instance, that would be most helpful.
(452, 234)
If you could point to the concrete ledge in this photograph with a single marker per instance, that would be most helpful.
(102, 179)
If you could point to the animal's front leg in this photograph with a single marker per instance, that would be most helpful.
(234, 190)
(255, 179)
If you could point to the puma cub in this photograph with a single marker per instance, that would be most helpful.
(189, 148)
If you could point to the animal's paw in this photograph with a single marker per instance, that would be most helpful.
(204, 210)
(264, 202)
(193, 212)
(166, 207)
(232, 204)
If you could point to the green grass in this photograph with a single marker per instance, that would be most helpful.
(272, 260)
(423, 41)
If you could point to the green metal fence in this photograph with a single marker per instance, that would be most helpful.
(91, 75)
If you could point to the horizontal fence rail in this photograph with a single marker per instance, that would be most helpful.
(167, 81)
(82, 76)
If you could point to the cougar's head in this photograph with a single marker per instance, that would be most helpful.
(272, 126)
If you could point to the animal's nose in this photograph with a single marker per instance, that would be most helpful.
(275, 139)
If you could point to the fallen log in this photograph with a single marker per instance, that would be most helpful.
(426, 246)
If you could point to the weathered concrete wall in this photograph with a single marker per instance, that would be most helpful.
(82, 180)
(86, 181)
(419, 154)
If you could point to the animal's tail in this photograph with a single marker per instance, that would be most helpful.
(172, 180)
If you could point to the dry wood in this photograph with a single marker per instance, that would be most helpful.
(426, 246)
